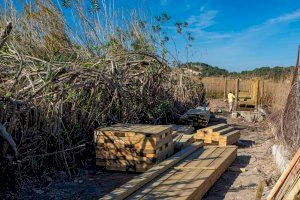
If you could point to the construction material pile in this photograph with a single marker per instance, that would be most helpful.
(128, 147)
(188, 174)
(220, 134)
(198, 117)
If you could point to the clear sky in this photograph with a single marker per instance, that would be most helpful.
(232, 34)
(240, 34)
(236, 34)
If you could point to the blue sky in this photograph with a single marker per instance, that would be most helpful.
(233, 34)
(239, 35)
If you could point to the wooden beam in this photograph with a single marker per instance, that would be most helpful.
(255, 93)
(225, 88)
(262, 90)
(237, 86)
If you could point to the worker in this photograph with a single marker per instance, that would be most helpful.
(230, 97)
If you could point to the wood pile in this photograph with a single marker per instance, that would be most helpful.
(132, 147)
(182, 136)
(189, 178)
(288, 185)
(220, 134)
(196, 117)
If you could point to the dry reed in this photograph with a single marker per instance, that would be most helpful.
(57, 85)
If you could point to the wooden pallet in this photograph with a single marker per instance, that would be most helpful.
(128, 147)
(220, 134)
(190, 178)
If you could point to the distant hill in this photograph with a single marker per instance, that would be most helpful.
(268, 72)
(206, 70)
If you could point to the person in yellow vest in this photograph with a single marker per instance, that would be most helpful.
(231, 98)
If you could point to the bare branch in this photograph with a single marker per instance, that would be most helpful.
(5, 34)
(8, 138)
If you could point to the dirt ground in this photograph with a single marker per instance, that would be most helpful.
(254, 154)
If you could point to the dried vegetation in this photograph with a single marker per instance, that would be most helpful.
(58, 83)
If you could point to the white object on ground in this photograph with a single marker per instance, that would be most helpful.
(280, 157)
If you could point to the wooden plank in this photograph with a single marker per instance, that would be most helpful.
(161, 179)
(128, 140)
(225, 88)
(289, 182)
(237, 88)
(136, 183)
(127, 148)
(183, 140)
(192, 177)
(215, 128)
(212, 176)
(138, 128)
(178, 176)
(223, 131)
(255, 93)
(200, 134)
(294, 192)
(181, 129)
(284, 176)
(151, 145)
(229, 138)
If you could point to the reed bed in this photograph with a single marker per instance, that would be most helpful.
(58, 85)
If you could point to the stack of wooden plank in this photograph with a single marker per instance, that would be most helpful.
(190, 178)
(129, 147)
(220, 134)
(182, 136)
(288, 185)
(196, 117)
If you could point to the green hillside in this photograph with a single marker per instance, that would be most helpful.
(207, 70)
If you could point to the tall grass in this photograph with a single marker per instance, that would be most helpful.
(274, 93)
(59, 82)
